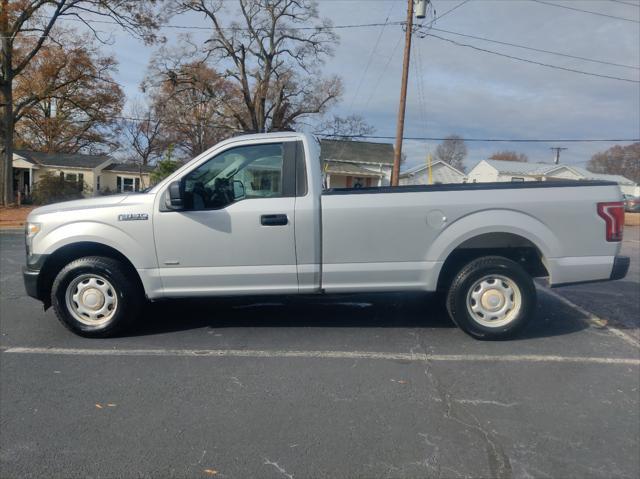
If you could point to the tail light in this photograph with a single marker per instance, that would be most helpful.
(613, 215)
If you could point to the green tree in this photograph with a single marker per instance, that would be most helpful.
(165, 167)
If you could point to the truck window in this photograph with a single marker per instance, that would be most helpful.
(244, 172)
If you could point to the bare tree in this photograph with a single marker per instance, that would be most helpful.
(618, 160)
(271, 55)
(22, 20)
(195, 103)
(452, 151)
(345, 128)
(142, 130)
(508, 155)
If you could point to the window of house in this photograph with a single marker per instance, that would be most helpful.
(124, 184)
(77, 178)
(516, 179)
(98, 182)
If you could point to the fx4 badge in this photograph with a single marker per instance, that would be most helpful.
(133, 217)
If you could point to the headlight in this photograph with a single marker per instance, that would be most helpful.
(32, 229)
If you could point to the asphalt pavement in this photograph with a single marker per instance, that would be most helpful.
(339, 386)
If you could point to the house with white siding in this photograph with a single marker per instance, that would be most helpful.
(497, 170)
(441, 173)
(95, 174)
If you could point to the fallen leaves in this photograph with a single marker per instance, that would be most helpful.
(100, 406)
(210, 472)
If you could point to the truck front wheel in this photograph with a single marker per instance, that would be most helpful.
(491, 298)
(95, 296)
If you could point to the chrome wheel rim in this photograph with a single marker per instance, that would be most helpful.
(91, 299)
(494, 301)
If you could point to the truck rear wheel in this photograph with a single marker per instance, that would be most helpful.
(95, 296)
(491, 298)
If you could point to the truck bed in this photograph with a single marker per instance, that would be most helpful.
(399, 237)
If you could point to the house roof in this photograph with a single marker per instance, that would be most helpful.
(356, 151)
(521, 167)
(128, 168)
(23, 157)
(63, 160)
(589, 175)
(544, 169)
(351, 169)
(422, 167)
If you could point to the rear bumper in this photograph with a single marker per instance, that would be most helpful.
(620, 267)
(617, 271)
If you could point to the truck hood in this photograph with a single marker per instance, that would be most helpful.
(75, 205)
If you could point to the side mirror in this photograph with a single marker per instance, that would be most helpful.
(238, 190)
(176, 196)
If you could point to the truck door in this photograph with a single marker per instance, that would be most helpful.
(236, 232)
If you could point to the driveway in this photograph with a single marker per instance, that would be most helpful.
(341, 386)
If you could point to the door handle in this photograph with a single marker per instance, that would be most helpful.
(274, 220)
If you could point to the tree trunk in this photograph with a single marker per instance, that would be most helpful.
(6, 109)
(6, 143)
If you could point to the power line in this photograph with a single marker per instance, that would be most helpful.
(373, 51)
(537, 49)
(586, 11)
(548, 65)
(195, 27)
(626, 3)
(383, 72)
(446, 13)
(491, 140)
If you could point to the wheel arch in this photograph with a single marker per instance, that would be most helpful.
(517, 236)
(63, 255)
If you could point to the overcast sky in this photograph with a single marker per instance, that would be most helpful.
(472, 93)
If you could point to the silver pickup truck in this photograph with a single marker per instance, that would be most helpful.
(249, 216)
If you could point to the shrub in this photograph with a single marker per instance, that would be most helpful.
(52, 188)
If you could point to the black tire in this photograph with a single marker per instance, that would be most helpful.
(122, 289)
(459, 297)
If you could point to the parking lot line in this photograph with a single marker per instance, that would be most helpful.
(254, 353)
(592, 318)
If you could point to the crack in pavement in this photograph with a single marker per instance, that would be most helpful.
(498, 460)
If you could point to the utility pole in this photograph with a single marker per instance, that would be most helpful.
(557, 149)
(397, 153)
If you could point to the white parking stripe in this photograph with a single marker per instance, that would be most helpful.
(253, 353)
(592, 318)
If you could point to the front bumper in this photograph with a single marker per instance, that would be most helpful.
(30, 278)
(31, 274)
(620, 267)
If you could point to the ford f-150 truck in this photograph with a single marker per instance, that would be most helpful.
(249, 216)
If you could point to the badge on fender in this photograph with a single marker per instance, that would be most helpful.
(133, 217)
